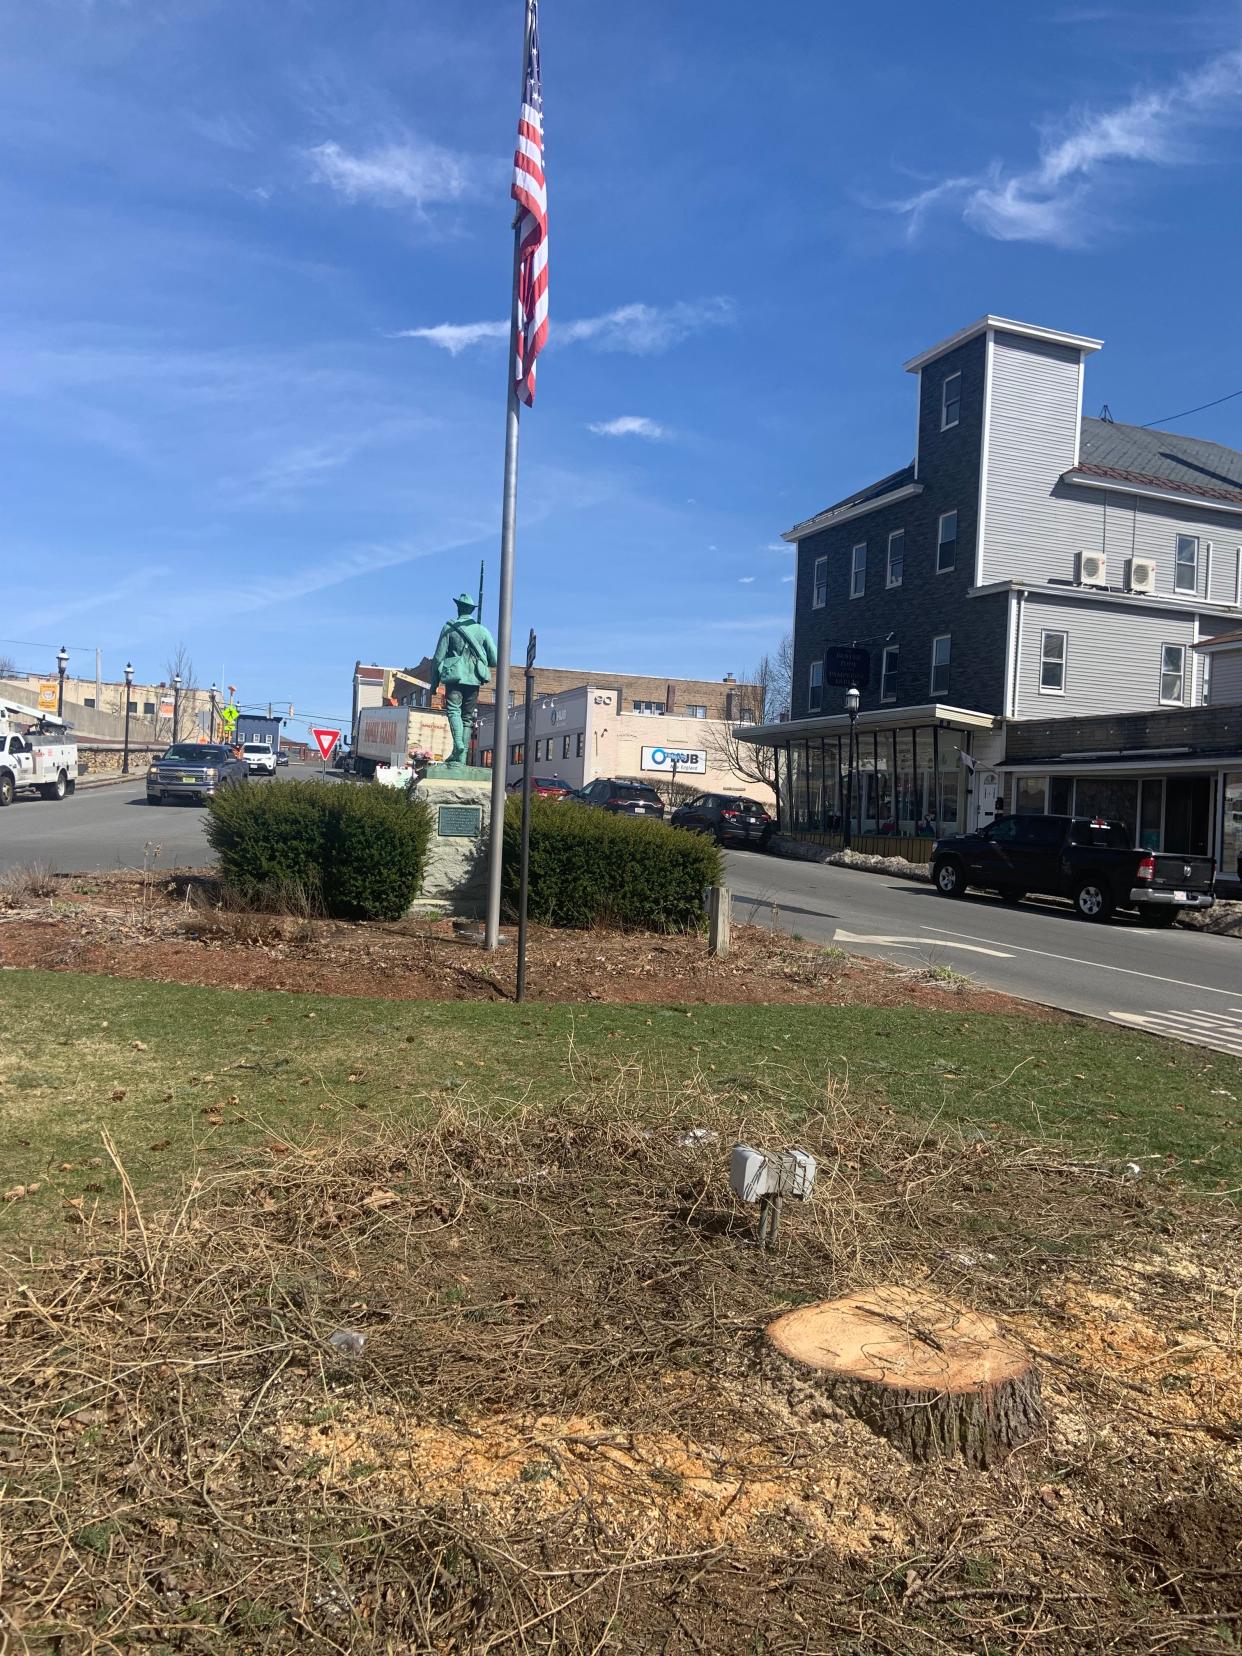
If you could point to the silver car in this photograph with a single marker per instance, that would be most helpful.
(193, 770)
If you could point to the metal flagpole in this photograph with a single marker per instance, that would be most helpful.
(504, 629)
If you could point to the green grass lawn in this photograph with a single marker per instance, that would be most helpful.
(185, 1076)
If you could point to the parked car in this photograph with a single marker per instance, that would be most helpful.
(282, 758)
(1090, 861)
(543, 787)
(194, 770)
(727, 817)
(259, 758)
(622, 798)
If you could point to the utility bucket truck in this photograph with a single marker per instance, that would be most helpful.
(34, 753)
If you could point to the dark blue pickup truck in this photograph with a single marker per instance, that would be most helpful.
(1085, 859)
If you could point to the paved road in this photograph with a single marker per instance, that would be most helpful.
(1181, 983)
(102, 828)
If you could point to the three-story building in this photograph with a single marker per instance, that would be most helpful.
(1029, 568)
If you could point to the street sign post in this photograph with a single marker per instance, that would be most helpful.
(844, 665)
(325, 741)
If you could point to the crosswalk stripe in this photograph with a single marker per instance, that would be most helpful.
(1221, 1031)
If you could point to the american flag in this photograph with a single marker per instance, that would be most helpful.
(530, 191)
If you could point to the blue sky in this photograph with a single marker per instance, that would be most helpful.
(255, 257)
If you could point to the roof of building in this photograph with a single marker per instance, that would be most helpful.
(844, 508)
(1001, 324)
(1219, 638)
(1160, 460)
(369, 675)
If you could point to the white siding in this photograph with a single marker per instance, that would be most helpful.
(1112, 657)
(1227, 677)
(1032, 439)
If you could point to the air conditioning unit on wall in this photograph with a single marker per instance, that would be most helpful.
(1092, 569)
(1142, 575)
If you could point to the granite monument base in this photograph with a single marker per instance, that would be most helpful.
(455, 881)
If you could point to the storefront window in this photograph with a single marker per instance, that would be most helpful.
(925, 780)
(797, 784)
(1060, 795)
(884, 783)
(1231, 847)
(1151, 813)
(951, 781)
(815, 772)
(1109, 797)
(907, 815)
(868, 821)
(1032, 795)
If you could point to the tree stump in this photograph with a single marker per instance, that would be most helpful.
(933, 1378)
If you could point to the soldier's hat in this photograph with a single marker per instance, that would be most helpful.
(465, 602)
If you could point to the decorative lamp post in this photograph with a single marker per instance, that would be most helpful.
(129, 683)
(852, 699)
(62, 661)
(211, 728)
(176, 704)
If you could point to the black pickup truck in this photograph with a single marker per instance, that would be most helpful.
(1091, 862)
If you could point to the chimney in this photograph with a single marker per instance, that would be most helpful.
(670, 698)
(729, 679)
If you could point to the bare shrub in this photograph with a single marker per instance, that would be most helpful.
(26, 882)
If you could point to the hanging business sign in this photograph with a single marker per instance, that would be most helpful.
(47, 696)
(666, 760)
(845, 666)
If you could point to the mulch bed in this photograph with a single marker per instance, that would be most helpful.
(176, 931)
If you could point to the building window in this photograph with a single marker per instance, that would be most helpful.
(940, 665)
(148, 707)
(486, 759)
(858, 570)
(1206, 698)
(1052, 648)
(888, 672)
(1186, 564)
(946, 543)
(515, 753)
(565, 741)
(88, 701)
(581, 743)
(819, 586)
(896, 557)
(1172, 672)
(950, 401)
(748, 716)
(815, 694)
(651, 707)
(695, 710)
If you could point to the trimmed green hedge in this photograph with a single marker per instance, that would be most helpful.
(356, 853)
(589, 867)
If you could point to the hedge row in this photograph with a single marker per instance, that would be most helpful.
(356, 853)
(588, 867)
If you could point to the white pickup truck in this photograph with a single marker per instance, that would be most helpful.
(38, 758)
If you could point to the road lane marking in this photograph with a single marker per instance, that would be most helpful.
(1099, 965)
(842, 936)
(1199, 1028)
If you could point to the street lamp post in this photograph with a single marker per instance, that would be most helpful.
(176, 704)
(62, 661)
(211, 728)
(852, 699)
(129, 681)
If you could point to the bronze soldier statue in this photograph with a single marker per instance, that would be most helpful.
(462, 663)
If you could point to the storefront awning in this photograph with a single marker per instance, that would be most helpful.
(879, 718)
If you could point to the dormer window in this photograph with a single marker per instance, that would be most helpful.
(950, 401)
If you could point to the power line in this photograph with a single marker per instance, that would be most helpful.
(1165, 419)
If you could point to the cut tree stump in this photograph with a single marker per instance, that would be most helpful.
(933, 1378)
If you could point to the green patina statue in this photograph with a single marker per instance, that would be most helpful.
(462, 663)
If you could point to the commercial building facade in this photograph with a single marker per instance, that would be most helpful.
(1028, 565)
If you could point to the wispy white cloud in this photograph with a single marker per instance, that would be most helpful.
(785, 578)
(630, 425)
(745, 580)
(413, 171)
(455, 337)
(637, 329)
(1054, 200)
(776, 546)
